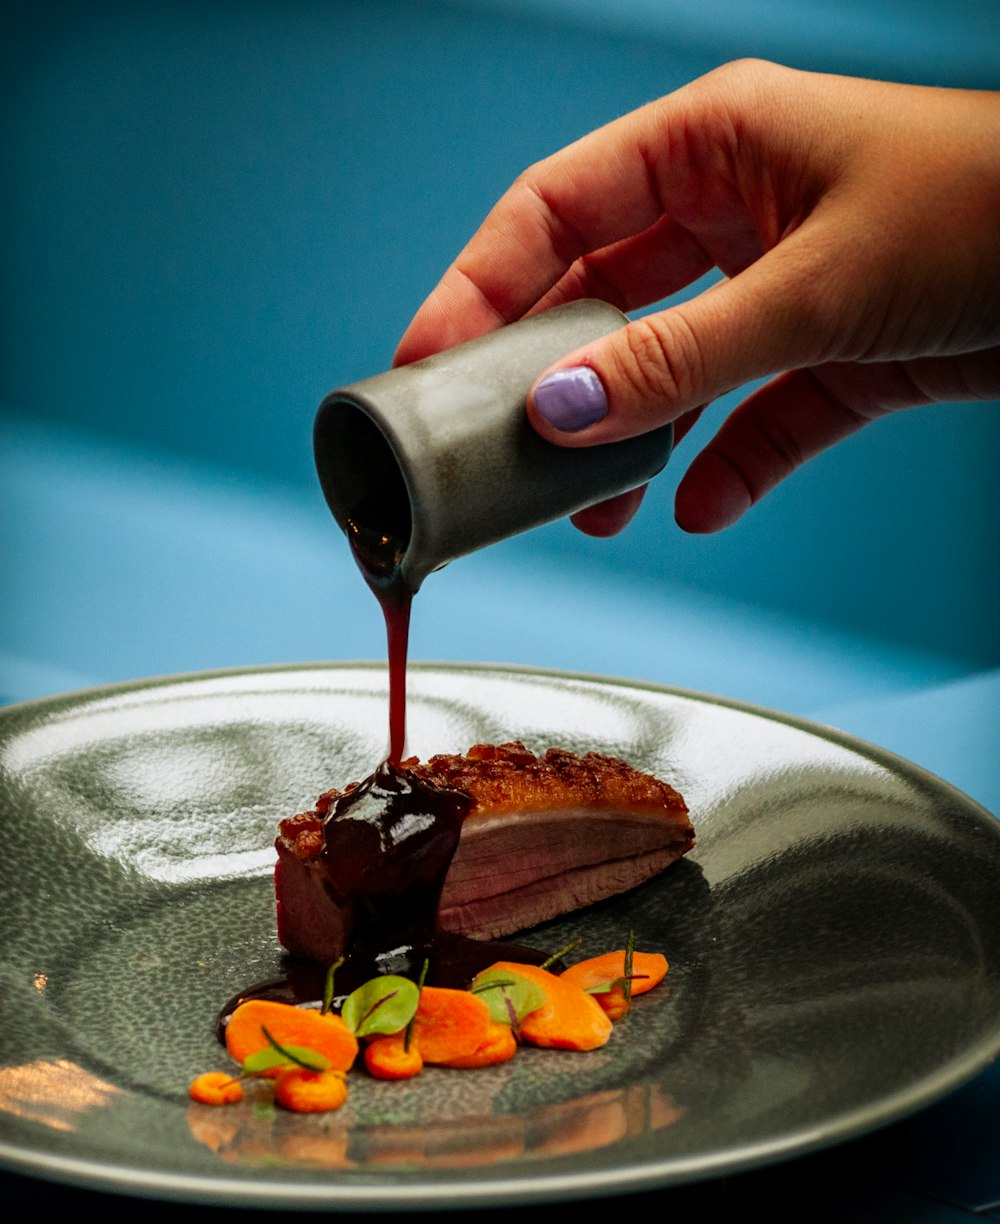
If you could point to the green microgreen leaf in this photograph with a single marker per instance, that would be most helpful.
(263, 1060)
(383, 1005)
(289, 1056)
(508, 996)
(557, 956)
(420, 985)
(275, 1054)
(481, 985)
(328, 986)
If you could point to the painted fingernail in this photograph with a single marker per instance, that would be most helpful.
(571, 399)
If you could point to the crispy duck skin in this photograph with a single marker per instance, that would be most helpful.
(547, 835)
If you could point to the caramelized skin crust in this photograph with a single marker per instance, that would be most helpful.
(542, 836)
(303, 834)
(509, 777)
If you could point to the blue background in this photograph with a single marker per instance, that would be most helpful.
(216, 212)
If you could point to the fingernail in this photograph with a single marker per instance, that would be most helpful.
(571, 399)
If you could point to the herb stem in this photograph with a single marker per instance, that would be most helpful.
(420, 986)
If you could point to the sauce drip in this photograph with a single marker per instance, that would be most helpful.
(379, 554)
(453, 961)
(389, 841)
(388, 845)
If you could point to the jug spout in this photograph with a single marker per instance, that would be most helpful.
(438, 459)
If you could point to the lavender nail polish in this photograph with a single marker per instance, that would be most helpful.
(571, 399)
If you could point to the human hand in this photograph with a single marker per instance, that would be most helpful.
(857, 225)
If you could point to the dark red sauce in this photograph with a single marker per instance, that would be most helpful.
(388, 845)
(388, 842)
(379, 554)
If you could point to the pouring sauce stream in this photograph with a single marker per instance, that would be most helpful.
(389, 842)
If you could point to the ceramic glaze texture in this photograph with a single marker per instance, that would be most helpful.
(442, 452)
(834, 943)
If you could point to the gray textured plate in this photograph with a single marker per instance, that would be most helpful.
(834, 944)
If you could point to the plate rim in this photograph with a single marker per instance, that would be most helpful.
(801, 722)
(405, 1191)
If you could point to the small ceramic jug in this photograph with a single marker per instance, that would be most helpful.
(440, 456)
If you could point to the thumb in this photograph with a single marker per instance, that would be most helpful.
(769, 318)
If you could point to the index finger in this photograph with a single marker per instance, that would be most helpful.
(590, 195)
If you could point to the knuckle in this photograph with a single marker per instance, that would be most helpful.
(746, 67)
(749, 73)
(662, 361)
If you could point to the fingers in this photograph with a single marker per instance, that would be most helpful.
(553, 217)
(791, 419)
(798, 415)
(631, 273)
(780, 313)
(774, 431)
(609, 517)
(802, 413)
(635, 271)
(454, 312)
(848, 218)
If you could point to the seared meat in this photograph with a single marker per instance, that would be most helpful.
(545, 835)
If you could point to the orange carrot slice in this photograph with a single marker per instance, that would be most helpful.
(499, 1046)
(310, 1091)
(449, 1024)
(613, 1002)
(570, 1019)
(216, 1088)
(648, 970)
(388, 1058)
(327, 1034)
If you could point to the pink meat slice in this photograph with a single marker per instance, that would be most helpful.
(549, 834)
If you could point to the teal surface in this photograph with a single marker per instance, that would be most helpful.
(217, 212)
(122, 563)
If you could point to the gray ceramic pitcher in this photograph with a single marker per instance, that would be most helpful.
(440, 454)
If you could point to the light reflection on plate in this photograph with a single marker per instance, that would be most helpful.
(834, 943)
